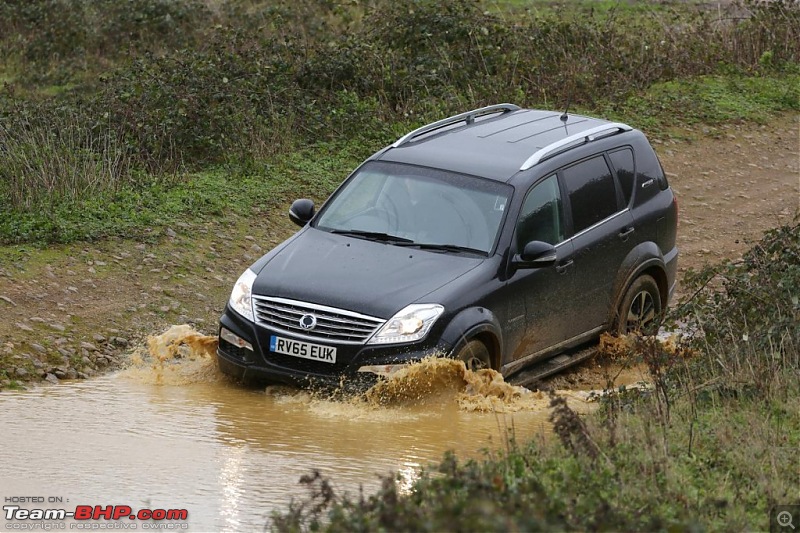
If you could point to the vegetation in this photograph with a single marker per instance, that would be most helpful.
(712, 447)
(108, 103)
(134, 211)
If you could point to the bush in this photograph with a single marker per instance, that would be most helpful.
(52, 154)
(746, 316)
(56, 39)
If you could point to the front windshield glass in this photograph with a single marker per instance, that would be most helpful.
(418, 206)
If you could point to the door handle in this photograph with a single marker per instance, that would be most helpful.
(564, 266)
(625, 232)
(648, 183)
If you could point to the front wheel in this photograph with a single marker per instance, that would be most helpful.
(475, 355)
(640, 310)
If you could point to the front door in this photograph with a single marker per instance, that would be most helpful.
(536, 315)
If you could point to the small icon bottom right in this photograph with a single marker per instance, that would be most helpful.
(784, 518)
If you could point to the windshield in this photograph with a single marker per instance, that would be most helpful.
(411, 205)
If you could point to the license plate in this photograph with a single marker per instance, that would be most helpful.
(306, 350)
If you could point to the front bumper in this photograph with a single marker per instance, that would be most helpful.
(262, 365)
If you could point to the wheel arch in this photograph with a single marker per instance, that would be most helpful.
(475, 323)
(643, 259)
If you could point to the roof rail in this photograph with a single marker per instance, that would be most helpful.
(469, 117)
(583, 137)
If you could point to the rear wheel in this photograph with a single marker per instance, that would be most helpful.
(640, 309)
(475, 355)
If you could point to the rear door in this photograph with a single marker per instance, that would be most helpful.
(624, 165)
(602, 232)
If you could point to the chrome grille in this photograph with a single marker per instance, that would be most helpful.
(339, 325)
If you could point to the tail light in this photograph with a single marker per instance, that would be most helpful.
(675, 205)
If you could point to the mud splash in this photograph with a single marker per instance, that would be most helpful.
(179, 356)
(182, 356)
(623, 347)
(438, 379)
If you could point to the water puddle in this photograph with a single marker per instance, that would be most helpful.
(171, 432)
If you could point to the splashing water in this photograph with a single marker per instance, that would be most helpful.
(179, 356)
(432, 378)
(613, 347)
(182, 356)
(437, 379)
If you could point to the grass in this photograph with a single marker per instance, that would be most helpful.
(710, 101)
(603, 7)
(113, 102)
(143, 212)
(14, 385)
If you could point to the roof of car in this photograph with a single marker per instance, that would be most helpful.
(494, 142)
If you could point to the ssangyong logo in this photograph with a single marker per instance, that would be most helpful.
(308, 322)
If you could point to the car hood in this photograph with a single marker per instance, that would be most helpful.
(368, 277)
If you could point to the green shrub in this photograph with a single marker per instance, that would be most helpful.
(52, 154)
(59, 41)
(747, 316)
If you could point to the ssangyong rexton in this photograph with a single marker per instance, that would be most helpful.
(502, 237)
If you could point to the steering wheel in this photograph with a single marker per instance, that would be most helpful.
(390, 217)
(459, 228)
(376, 218)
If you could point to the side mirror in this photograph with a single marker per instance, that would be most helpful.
(537, 254)
(301, 212)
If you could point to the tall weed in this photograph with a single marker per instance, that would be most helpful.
(188, 84)
(60, 156)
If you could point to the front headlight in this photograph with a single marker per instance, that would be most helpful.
(411, 323)
(241, 297)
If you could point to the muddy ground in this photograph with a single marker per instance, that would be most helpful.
(73, 311)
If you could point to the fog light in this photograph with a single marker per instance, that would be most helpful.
(234, 339)
(382, 370)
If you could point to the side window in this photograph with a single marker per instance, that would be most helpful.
(541, 216)
(623, 164)
(592, 193)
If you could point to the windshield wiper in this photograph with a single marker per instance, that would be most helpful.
(443, 247)
(372, 235)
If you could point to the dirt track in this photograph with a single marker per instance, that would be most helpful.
(77, 307)
(733, 188)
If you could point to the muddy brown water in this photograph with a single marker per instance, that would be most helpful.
(170, 432)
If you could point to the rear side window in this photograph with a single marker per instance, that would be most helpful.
(592, 194)
(622, 160)
(649, 167)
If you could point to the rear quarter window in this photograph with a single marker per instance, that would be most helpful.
(591, 190)
(648, 166)
(622, 161)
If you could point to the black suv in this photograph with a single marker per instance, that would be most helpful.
(505, 237)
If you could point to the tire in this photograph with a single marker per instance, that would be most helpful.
(640, 309)
(475, 355)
